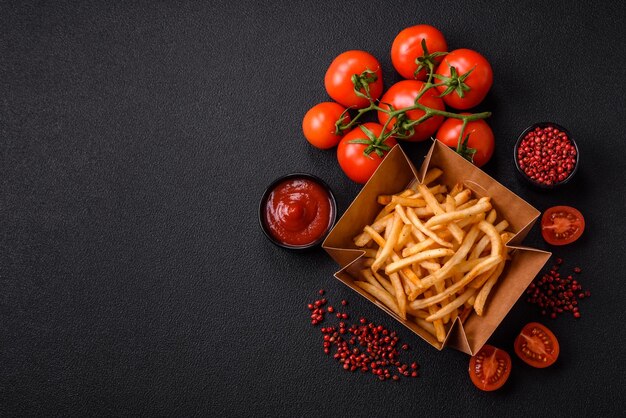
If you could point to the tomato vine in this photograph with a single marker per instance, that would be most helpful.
(403, 127)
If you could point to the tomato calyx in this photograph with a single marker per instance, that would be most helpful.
(362, 82)
(455, 82)
(374, 144)
(427, 60)
(464, 150)
(339, 124)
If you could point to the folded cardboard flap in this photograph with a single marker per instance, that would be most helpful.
(393, 176)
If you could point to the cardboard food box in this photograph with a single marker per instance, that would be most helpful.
(394, 175)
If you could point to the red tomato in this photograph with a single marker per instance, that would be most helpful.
(562, 225)
(537, 346)
(490, 368)
(407, 47)
(480, 137)
(338, 79)
(402, 95)
(352, 159)
(479, 81)
(319, 127)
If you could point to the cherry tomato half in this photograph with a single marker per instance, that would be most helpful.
(319, 127)
(561, 225)
(480, 137)
(537, 346)
(479, 80)
(407, 47)
(338, 79)
(402, 95)
(490, 368)
(358, 166)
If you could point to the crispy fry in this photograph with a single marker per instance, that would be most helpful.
(432, 175)
(363, 239)
(394, 233)
(379, 294)
(407, 201)
(424, 255)
(432, 202)
(420, 226)
(456, 258)
(451, 306)
(485, 241)
(483, 205)
(481, 298)
(385, 283)
(427, 326)
(400, 295)
(405, 235)
(480, 268)
(440, 331)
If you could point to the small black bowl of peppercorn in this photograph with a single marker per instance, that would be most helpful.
(546, 155)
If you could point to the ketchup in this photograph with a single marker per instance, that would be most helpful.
(298, 211)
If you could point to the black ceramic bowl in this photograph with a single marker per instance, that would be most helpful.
(524, 175)
(263, 202)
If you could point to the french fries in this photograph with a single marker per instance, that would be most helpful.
(433, 253)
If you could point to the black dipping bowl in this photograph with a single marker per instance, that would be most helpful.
(524, 175)
(266, 193)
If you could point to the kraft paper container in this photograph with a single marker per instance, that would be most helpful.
(394, 175)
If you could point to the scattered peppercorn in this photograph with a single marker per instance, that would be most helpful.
(365, 347)
(556, 294)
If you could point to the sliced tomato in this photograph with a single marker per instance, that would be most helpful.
(490, 368)
(561, 225)
(537, 346)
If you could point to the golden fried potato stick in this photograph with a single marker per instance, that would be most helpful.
(456, 303)
(410, 218)
(423, 256)
(364, 238)
(450, 205)
(426, 326)
(479, 269)
(432, 202)
(456, 189)
(405, 236)
(440, 331)
(385, 199)
(483, 294)
(409, 202)
(467, 204)
(367, 274)
(410, 214)
(494, 237)
(407, 272)
(483, 205)
(394, 233)
(417, 248)
(460, 254)
(400, 295)
(432, 175)
(380, 295)
(385, 283)
(416, 232)
(485, 241)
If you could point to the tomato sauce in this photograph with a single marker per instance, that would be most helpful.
(298, 211)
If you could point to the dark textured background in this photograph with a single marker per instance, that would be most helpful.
(136, 140)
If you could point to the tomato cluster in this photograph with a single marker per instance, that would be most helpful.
(410, 110)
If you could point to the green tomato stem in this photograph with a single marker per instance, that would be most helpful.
(428, 113)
